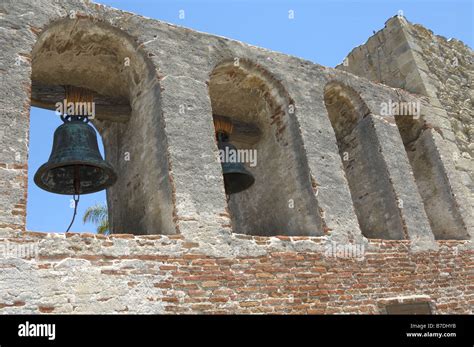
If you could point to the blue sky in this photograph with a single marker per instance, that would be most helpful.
(321, 31)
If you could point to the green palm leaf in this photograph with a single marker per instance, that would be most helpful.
(97, 215)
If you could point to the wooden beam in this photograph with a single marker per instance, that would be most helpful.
(106, 108)
(243, 132)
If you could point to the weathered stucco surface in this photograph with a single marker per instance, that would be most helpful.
(333, 169)
(411, 57)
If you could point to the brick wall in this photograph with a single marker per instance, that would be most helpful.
(86, 273)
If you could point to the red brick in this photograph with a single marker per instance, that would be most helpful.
(249, 303)
(168, 267)
(174, 300)
(45, 309)
(190, 244)
(210, 284)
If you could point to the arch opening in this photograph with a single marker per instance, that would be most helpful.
(109, 64)
(430, 177)
(281, 200)
(373, 198)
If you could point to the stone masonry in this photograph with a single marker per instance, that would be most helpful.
(352, 209)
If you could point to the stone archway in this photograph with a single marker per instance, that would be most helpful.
(374, 200)
(281, 201)
(96, 56)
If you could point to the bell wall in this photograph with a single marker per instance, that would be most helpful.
(179, 245)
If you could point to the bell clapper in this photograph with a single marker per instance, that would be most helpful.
(76, 195)
(76, 202)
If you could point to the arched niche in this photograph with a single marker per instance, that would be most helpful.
(281, 201)
(433, 185)
(103, 59)
(372, 194)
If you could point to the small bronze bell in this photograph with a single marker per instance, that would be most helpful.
(75, 165)
(236, 177)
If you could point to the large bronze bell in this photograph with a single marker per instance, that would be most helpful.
(75, 165)
(236, 177)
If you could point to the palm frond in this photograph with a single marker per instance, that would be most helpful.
(98, 215)
(103, 227)
(95, 214)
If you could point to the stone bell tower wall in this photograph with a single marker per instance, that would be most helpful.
(408, 56)
(155, 83)
(178, 242)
